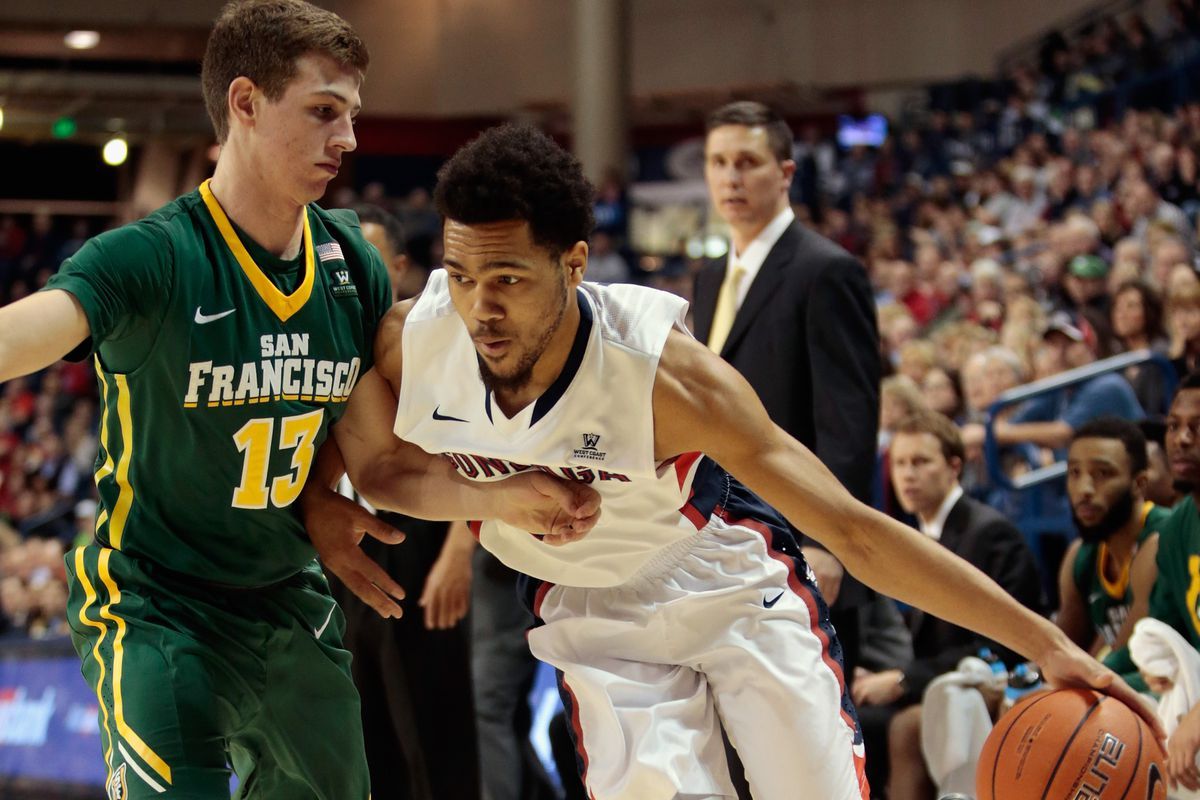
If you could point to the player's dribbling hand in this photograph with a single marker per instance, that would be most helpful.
(1067, 665)
(336, 525)
(559, 511)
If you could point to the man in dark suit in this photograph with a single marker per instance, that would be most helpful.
(926, 457)
(794, 313)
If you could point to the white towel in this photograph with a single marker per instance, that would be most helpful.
(954, 725)
(1159, 650)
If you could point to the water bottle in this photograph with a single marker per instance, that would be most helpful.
(999, 679)
(1024, 679)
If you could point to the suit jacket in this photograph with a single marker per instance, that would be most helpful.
(806, 339)
(983, 536)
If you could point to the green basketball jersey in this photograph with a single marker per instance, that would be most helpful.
(1176, 596)
(1107, 600)
(221, 369)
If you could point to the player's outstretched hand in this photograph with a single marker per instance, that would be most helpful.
(1067, 665)
(336, 525)
(558, 510)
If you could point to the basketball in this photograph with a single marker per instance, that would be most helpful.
(1071, 744)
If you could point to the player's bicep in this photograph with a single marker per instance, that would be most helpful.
(38, 330)
(702, 403)
(364, 432)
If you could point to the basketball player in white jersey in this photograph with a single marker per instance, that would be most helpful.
(688, 604)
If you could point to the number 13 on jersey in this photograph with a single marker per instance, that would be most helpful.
(254, 440)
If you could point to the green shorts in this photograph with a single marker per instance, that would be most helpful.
(194, 680)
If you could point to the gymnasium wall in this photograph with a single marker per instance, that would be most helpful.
(456, 57)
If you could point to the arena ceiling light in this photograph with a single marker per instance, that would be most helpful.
(82, 40)
(115, 151)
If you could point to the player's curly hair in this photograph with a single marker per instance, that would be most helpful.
(516, 172)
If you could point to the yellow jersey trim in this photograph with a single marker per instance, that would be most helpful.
(127, 733)
(1116, 589)
(1193, 592)
(120, 513)
(90, 598)
(283, 305)
(107, 468)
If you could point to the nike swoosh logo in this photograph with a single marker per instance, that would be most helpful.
(203, 319)
(444, 418)
(1155, 779)
(325, 624)
(773, 601)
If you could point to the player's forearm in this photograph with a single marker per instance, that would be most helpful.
(427, 487)
(897, 560)
(38, 330)
(902, 563)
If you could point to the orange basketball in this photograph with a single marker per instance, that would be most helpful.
(1071, 744)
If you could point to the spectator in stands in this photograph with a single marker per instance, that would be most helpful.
(1085, 283)
(1051, 420)
(1183, 325)
(943, 394)
(1168, 252)
(916, 359)
(1136, 318)
(926, 458)
(1146, 207)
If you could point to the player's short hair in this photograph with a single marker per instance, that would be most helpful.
(1190, 381)
(393, 230)
(261, 39)
(516, 172)
(755, 115)
(938, 426)
(1126, 432)
(1155, 430)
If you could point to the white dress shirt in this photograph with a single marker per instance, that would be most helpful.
(933, 529)
(757, 251)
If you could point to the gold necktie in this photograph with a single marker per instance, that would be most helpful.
(727, 305)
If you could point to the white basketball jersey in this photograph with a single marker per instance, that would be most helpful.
(594, 424)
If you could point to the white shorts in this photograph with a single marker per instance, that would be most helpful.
(724, 627)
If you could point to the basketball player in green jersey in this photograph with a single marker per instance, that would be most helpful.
(1175, 598)
(228, 330)
(1107, 573)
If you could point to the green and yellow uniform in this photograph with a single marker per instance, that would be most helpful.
(1108, 598)
(1176, 596)
(200, 614)
(1105, 588)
